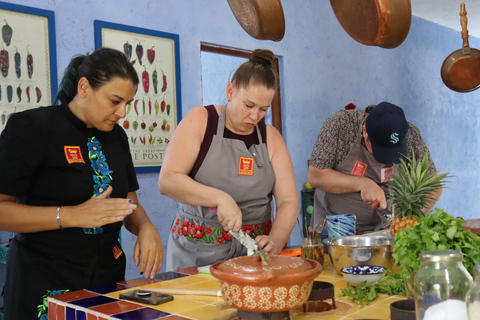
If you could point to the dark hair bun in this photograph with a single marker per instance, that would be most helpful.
(263, 56)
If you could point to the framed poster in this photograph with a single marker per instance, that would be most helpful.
(28, 59)
(155, 110)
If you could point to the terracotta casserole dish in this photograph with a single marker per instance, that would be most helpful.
(278, 284)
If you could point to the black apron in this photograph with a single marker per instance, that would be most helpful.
(52, 262)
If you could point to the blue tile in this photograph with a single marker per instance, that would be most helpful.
(141, 314)
(69, 313)
(170, 275)
(109, 288)
(93, 301)
(81, 315)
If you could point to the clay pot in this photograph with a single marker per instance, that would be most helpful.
(403, 310)
(472, 225)
(279, 284)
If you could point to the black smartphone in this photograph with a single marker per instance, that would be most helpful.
(146, 296)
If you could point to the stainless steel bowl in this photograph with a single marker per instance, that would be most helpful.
(360, 250)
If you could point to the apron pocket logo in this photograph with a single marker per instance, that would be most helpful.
(245, 166)
(359, 169)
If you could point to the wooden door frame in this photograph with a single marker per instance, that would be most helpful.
(276, 102)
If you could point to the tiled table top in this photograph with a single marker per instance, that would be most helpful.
(104, 303)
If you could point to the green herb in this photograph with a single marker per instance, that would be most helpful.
(436, 231)
(363, 294)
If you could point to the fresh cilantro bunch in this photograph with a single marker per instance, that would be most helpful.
(436, 231)
(363, 294)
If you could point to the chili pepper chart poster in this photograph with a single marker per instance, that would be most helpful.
(155, 110)
(27, 59)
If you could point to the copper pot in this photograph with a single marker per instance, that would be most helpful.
(261, 19)
(278, 284)
(383, 23)
(461, 69)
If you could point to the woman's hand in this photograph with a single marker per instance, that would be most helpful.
(97, 211)
(148, 251)
(229, 215)
(267, 244)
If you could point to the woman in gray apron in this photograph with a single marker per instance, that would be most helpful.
(225, 159)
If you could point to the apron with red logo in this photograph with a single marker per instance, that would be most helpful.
(358, 162)
(197, 237)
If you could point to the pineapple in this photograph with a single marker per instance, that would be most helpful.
(411, 189)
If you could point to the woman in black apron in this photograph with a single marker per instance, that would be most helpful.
(70, 167)
(225, 157)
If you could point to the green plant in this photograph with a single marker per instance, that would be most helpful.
(390, 283)
(411, 190)
(436, 231)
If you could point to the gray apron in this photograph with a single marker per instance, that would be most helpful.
(362, 163)
(247, 176)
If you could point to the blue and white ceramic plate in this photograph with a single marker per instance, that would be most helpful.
(357, 275)
(363, 270)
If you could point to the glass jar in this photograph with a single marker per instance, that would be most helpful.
(312, 248)
(473, 296)
(441, 285)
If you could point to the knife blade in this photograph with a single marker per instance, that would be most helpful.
(247, 241)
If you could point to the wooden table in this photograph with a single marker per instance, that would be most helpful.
(104, 304)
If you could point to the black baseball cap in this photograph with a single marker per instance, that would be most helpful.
(387, 130)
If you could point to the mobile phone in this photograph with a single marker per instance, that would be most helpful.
(146, 296)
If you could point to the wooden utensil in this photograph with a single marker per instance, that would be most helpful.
(383, 23)
(461, 69)
(261, 19)
(217, 293)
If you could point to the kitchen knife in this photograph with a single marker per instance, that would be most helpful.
(248, 242)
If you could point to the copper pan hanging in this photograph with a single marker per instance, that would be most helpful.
(461, 69)
(261, 19)
(382, 23)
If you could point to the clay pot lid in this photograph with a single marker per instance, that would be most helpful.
(252, 268)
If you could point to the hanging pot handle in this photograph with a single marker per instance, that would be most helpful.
(464, 22)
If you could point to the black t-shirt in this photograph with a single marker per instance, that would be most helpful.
(44, 158)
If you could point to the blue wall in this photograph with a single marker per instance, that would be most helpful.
(323, 69)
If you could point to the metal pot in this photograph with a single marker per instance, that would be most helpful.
(278, 284)
(360, 250)
(461, 69)
(383, 23)
(261, 19)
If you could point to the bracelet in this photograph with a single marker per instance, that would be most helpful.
(58, 218)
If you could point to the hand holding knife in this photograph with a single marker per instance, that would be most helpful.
(246, 241)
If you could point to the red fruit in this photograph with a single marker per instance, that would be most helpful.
(163, 104)
(143, 125)
(163, 127)
(151, 55)
(126, 124)
(155, 124)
